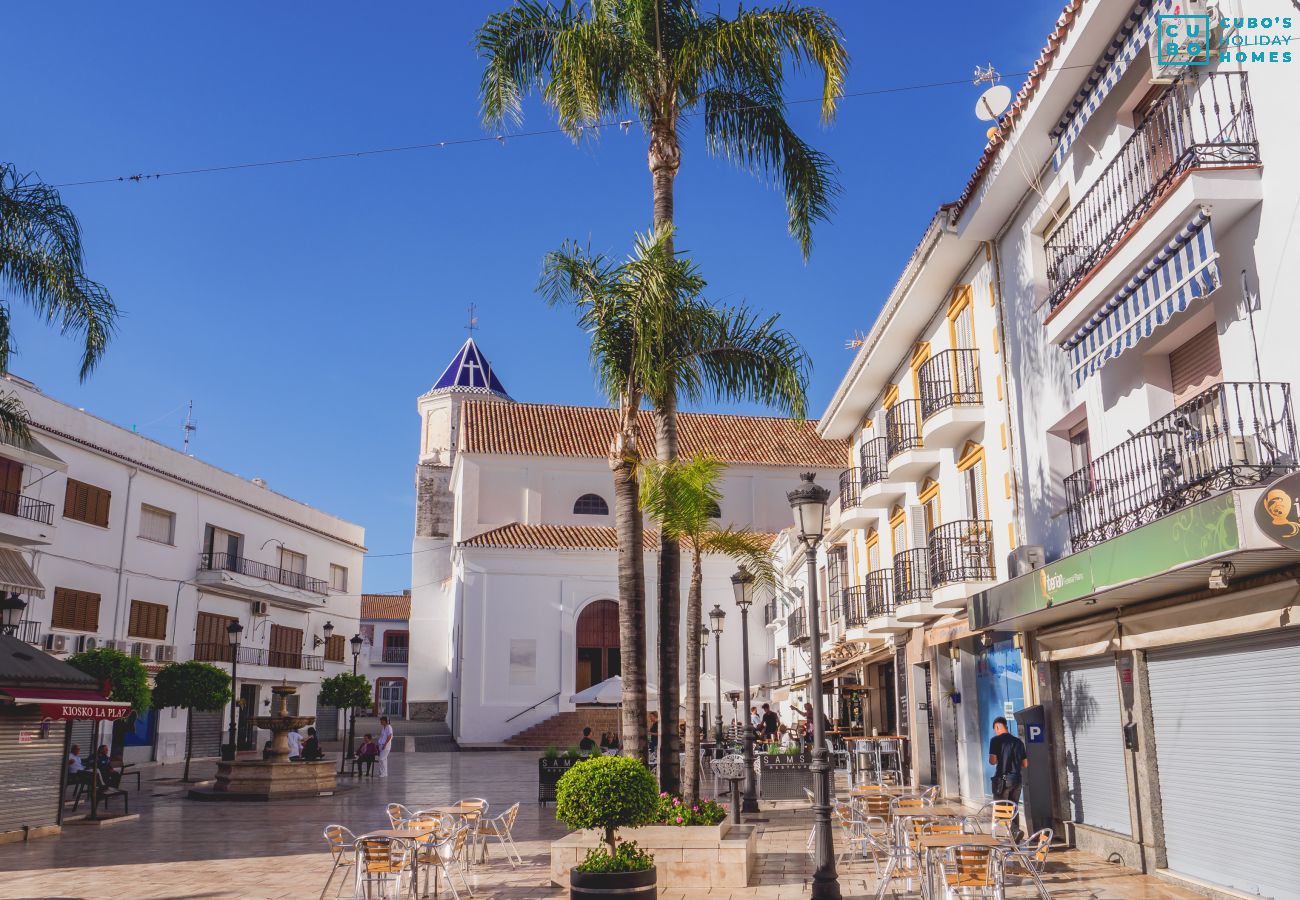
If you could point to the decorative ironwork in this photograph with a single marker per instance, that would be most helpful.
(29, 631)
(902, 427)
(949, 378)
(873, 458)
(222, 652)
(961, 551)
(16, 504)
(870, 600)
(850, 488)
(1199, 122)
(796, 626)
(1233, 435)
(225, 562)
(395, 654)
(911, 576)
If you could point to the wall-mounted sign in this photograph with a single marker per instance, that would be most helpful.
(1278, 511)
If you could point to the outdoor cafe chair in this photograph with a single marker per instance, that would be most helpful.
(930, 794)
(477, 812)
(500, 828)
(999, 814)
(1032, 855)
(380, 863)
(443, 857)
(340, 842)
(397, 814)
(969, 870)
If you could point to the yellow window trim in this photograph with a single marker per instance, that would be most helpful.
(971, 453)
(891, 396)
(961, 298)
(929, 490)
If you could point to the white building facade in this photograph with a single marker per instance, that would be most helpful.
(385, 650)
(116, 540)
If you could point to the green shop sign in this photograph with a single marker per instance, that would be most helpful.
(1189, 535)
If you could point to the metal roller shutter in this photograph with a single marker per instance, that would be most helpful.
(1095, 770)
(327, 723)
(1227, 724)
(30, 769)
(208, 733)
(1195, 365)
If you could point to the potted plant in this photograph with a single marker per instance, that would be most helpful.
(608, 793)
(784, 773)
(552, 765)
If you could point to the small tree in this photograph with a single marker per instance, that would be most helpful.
(607, 792)
(346, 691)
(130, 684)
(191, 685)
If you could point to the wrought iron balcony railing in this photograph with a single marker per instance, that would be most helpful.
(850, 488)
(911, 576)
(1233, 435)
(902, 427)
(29, 631)
(870, 600)
(225, 562)
(1198, 122)
(395, 654)
(874, 461)
(796, 627)
(224, 652)
(26, 507)
(949, 378)
(961, 551)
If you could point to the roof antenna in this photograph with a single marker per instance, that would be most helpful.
(473, 320)
(189, 427)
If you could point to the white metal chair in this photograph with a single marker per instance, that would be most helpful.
(968, 870)
(500, 828)
(443, 857)
(1000, 816)
(1032, 855)
(380, 863)
(340, 841)
(397, 814)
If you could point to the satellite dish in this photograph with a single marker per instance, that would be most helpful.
(993, 103)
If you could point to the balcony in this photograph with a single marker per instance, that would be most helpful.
(904, 448)
(26, 520)
(29, 632)
(869, 608)
(270, 582)
(259, 656)
(961, 561)
(1234, 435)
(952, 398)
(850, 512)
(395, 655)
(912, 595)
(1199, 123)
(796, 627)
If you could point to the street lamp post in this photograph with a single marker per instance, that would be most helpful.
(742, 584)
(356, 643)
(233, 631)
(11, 613)
(704, 668)
(716, 615)
(808, 502)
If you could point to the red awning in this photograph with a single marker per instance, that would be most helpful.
(65, 703)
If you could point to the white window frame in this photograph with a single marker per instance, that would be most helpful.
(171, 526)
(334, 585)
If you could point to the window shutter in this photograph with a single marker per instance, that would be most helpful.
(75, 610)
(101, 507)
(916, 520)
(157, 524)
(1195, 365)
(148, 620)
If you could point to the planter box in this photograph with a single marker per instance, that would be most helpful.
(784, 777)
(548, 773)
(695, 856)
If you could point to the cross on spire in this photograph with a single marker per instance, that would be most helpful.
(473, 320)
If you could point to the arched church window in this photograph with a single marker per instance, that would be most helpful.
(590, 505)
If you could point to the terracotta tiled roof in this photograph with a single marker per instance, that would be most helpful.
(538, 429)
(518, 536)
(385, 606)
(1021, 102)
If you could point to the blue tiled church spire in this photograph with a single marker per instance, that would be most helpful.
(469, 371)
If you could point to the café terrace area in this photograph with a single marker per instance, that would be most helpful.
(182, 848)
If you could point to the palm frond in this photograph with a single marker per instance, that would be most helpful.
(13, 419)
(518, 44)
(680, 495)
(749, 550)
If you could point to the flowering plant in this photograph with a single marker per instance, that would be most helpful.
(671, 810)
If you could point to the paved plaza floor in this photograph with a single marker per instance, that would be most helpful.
(182, 848)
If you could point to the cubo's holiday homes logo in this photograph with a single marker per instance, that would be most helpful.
(1187, 40)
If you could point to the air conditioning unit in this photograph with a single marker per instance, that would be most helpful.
(1024, 559)
(142, 650)
(120, 646)
(1205, 41)
(56, 643)
(86, 642)
(260, 607)
(164, 653)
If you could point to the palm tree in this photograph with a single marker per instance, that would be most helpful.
(41, 263)
(681, 496)
(664, 61)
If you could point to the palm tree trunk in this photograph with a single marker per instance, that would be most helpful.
(670, 619)
(623, 461)
(189, 743)
(694, 615)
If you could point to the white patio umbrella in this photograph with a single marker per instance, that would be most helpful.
(708, 687)
(609, 693)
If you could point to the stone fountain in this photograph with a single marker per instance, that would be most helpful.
(273, 778)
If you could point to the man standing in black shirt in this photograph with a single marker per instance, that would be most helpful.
(1007, 753)
(770, 722)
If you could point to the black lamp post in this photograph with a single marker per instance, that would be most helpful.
(704, 668)
(233, 631)
(742, 584)
(716, 615)
(326, 632)
(808, 502)
(356, 643)
(11, 614)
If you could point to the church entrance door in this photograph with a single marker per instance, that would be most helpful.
(598, 656)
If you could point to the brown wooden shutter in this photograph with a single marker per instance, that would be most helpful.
(11, 483)
(86, 503)
(211, 638)
(75, 610)
(1195, 365)
(148, 620)
(334, 648)
(286, 647)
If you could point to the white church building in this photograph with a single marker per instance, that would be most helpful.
(514, 589)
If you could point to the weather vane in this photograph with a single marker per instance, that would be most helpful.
(473, 320)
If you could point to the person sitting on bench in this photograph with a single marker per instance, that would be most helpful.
(107, 774)
(367, 753)
(311, 750)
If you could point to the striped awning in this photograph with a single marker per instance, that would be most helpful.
(17, 575)
(1129, 41)
(1185, 269)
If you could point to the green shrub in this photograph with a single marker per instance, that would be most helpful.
(606, 792)
(773, 749)
(792, 750)
(627, 857)
(552, 753)
(670, 810)
(573, 753)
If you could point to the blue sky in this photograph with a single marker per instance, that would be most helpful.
(304, 308)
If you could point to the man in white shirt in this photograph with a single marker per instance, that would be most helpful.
(385, 745)
(295, 744)
(75, 764)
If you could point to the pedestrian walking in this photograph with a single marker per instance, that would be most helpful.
(385, 746)
(1007, 754)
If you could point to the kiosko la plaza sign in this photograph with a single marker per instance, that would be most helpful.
(1278, 511)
